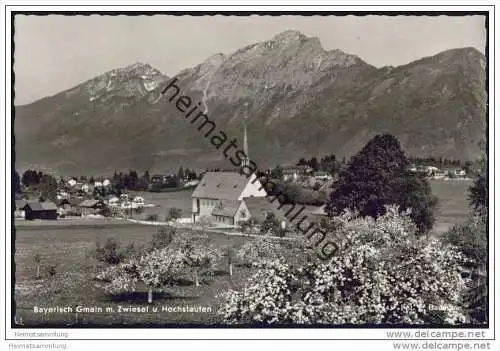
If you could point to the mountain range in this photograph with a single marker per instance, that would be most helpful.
(299, 100)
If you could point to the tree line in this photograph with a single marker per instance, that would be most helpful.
(47, 184)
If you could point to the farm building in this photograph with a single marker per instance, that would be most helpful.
(91, 207)
(40, 210)
(68, 206)
(219, 196)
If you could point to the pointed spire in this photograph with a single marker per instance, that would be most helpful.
(246, 161)
(245, 139)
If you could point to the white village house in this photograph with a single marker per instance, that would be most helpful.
(220, 195)
(229, 198)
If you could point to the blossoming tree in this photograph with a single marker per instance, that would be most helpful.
(251, 252)
(157, 270)
(381, 274)
(200, 256)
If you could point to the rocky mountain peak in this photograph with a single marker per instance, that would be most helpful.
(136, 79)
(299, 98)
(288, 36)
(139, 69)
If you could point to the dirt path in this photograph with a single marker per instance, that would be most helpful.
(209, 230)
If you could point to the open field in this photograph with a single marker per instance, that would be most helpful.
(69, 248)
(67, 245)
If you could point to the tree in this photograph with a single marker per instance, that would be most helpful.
(37, 260)
(173, 214)
(204, 222)
(231, 254)
(158, 270)
(131, 180)
(30, 177)
(272, 225)
(162, 238)
(152, 217)
(199, 255)
(381, 274)
(251, 252)
(378, 176)
(277, 172)
(146, 177)
(48, 187)
(478, 192)
(16, 183)
(471, 238)
(468, 167)
(302, 162)
(313, 163)
(181, 174)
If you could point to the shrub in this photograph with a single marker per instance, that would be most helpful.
(52, 271)
(247, 226)
(108, 212)
(152, 217)
(478, 192)
(204, 222)
(271, 224)
(382, 274)
(110, 252)
(173, 214)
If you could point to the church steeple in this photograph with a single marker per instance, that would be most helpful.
(246, 160)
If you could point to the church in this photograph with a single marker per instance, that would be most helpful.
(221, 195)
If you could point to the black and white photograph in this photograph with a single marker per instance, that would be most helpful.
(250, 170)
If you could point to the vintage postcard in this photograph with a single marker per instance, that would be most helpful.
(218, 169)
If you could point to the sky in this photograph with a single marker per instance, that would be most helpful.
(55, 53)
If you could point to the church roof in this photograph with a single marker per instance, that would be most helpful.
(221, 185)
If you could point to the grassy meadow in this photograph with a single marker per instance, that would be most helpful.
(68, 248)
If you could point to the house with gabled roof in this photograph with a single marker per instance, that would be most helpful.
(230, 212)
(258, 209)
(40, 210)
(91, 206)
(219, 196)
